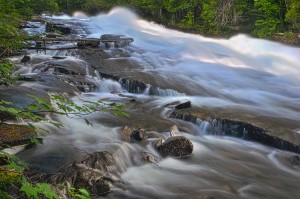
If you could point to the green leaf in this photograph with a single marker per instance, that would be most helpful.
(45, 189)
(29, 190)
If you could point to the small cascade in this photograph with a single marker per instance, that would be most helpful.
(35, 28)
(133, 86)
(203, 126)
(164, 92)
(110, 86)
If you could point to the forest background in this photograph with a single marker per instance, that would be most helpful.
(271, 19)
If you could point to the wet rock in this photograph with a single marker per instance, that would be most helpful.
(91, 173)
(18, 95)
(184, 105)
(295, 160)
(172, 104)
(4, 116)
(92, 44)
(59, 57)
(58, 27)
(112, 40)
(148, 158)
(243, 130)
(133, 86)
(13, 135)
(177, 146)
(53, 35)
(132, 134)
(92, 179)
(25, 59)
(184, 116)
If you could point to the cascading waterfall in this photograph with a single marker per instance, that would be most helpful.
(240, 73)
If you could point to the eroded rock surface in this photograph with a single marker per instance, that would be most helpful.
(176, 146)
(91, 173)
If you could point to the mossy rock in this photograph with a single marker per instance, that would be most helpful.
(13, 135)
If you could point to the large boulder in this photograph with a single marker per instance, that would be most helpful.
(175, 146)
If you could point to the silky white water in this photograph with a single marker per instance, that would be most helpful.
(242, 73)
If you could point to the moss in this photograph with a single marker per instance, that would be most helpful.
(12, 134)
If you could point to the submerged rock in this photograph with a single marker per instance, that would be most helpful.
(148, 158)
(176, 146)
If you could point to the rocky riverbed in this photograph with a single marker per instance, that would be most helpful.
(169, 142)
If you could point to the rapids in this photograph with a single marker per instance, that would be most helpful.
(242, 73)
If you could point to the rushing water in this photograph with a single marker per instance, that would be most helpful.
(240, 72)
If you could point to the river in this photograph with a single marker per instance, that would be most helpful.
(241, 73)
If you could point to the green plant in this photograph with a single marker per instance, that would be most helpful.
(6, 70)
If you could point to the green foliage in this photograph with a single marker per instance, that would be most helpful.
(37, 191)
(266, 28)
(79, 193)
(12, 175)
(293, 14)
(267, 21)
(6, 70)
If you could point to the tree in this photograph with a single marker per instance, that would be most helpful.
(268, 17)
(293, 14)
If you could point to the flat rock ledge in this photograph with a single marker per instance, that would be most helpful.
(243, 130)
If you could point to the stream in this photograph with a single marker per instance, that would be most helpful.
(248, 75)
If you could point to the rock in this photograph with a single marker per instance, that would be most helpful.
(53, 35)
(14, 135)
(177, 146)
(6, 116)
(174, 131)
(92, 179)
(25, 59)
(234, 128)
(58, 27)
(59, 57)
(18, 95)
(148, 158)
(137, 135)
(132, 134)
(91, 173)
(133, 86)
(294, 160)
(93, 44)
(116, 40)
(184, 105)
